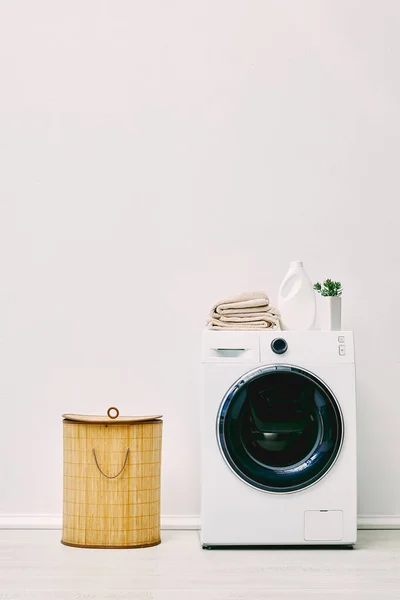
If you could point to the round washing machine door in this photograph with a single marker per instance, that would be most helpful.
(280, 428)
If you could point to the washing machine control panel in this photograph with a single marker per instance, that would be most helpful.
(306, 347)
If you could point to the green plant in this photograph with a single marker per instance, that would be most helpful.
(329, 288)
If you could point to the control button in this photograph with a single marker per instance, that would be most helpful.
(341, 339)
(342, 349)
(279, 346)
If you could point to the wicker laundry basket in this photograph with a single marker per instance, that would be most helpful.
(111, 481)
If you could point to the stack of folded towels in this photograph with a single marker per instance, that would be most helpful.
(250, 310)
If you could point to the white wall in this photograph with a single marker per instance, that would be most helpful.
(156, 156)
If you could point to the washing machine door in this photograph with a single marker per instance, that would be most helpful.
(280, 428)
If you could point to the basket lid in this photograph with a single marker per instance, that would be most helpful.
(112, 418)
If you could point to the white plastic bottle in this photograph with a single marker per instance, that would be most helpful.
(297, 299)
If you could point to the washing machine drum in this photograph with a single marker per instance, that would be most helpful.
(280, 428)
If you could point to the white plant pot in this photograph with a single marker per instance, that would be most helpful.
(330, 313)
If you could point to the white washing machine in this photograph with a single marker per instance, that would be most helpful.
(278, 438)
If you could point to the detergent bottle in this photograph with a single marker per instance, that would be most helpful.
(297, 299)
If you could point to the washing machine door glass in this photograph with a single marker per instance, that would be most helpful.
(280, 428)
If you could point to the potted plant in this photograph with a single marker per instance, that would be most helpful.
(330, 305)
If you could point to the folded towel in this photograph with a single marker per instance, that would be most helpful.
(241, 301)
(250, 310)
(259, 313)
(217, 324)
(252, 325)
(271, 316)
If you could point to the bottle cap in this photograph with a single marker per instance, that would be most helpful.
(296, 263)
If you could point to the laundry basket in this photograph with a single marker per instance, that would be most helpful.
(111, 480)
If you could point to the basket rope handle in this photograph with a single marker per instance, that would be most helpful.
(102, 472)
(115, 412)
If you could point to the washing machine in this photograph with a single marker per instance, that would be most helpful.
(278, 438)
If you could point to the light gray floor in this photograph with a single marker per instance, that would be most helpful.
(34, 565)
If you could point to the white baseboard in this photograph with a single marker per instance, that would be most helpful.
(378, 521)
(180, 522)
(30, 521)
(53, 521)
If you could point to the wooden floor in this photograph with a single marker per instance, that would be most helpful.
(35, 566)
